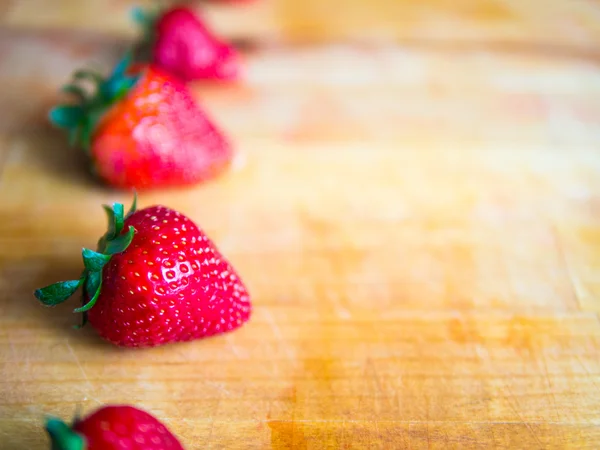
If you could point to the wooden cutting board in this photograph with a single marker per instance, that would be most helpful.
(415, 209)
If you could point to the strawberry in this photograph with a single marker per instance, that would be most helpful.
(114, 427)
(155, 278)
(180, 42)
(143, 129)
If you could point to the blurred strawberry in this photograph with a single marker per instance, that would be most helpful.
(179, 41)
(113, 427)
(143, 129)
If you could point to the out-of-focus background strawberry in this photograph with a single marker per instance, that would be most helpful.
(415, 210)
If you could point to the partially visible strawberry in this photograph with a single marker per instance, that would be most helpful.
(114, 427)
(180, 42)
(155, 278)
(143, 129)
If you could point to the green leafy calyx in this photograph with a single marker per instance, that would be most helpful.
(80, 117)
(146, 20)
(116, 240)
(62, 436)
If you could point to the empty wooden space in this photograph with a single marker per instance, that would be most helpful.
(415, 209)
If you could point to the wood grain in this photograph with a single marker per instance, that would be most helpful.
(418, 225)
(502, 21)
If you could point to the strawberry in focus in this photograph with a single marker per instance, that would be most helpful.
(156, 278)
(143, 129)
(114, 427)
(180, 42)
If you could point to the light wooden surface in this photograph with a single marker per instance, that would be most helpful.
(418, 224)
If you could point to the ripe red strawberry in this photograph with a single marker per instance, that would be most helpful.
(180, 42)
(143, 130)
(114, 427)
(155, 278)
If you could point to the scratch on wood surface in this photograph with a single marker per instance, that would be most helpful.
(492, 434)
(550, 386)
(212, 423)
(234, 348)
(76, 358)
(514, 408)
(277, 333)
(371, 438)
(339, 305)
(370, 367)
(428, 421)
(476, 438)
(563, 258)
(83, 374)
(219, 387)
(586, 370)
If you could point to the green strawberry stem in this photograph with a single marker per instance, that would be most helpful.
(116, 240)
(80, 118)
(146, 19)
(62, 437)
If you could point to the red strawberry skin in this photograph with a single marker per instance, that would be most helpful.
(121, 427)
(170, 285)
(158, 136)
(185, 47)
